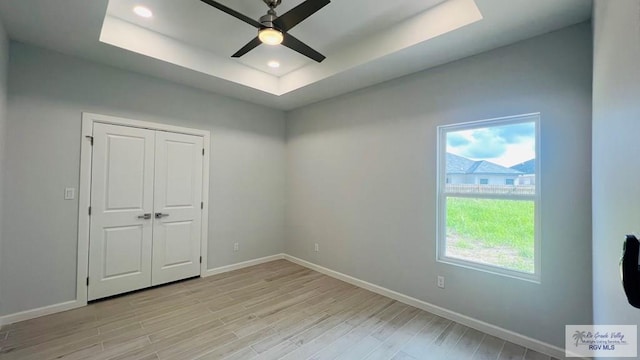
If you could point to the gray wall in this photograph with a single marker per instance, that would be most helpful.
(4, 61)
(616, 165)
(47, 94)
(361, 181)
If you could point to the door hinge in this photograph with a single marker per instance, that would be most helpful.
(89, 210)
(200, 259)
(87, 281)
(90, 139)
(202, 151)
(202, 205)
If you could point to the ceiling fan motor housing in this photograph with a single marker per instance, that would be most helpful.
(267, 20)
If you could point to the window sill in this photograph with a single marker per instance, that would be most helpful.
(533, 278)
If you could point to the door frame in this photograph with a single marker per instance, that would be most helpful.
(84, 191)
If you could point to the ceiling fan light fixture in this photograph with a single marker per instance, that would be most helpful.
(270, 36)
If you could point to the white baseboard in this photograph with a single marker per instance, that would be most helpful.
(34, 313)
(479, 325)
(244, 264)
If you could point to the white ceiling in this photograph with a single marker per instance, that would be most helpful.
(190, 42)
(200, 25)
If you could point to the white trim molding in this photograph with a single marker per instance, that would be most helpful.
(42, 311)
(244, 264)
(479, 325)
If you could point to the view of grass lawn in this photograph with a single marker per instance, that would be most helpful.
(492, 231)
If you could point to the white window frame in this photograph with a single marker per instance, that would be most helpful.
(441, 223)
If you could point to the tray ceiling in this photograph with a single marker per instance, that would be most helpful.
(365, 42)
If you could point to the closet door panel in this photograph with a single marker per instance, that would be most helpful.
(177, 207)
(121, 194)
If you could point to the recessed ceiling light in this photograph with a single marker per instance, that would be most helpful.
(273, 64)
(142, 11)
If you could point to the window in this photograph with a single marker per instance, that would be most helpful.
(491, 224)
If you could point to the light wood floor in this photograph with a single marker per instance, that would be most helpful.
(277, 310)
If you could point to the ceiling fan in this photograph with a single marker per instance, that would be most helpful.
(273, 29)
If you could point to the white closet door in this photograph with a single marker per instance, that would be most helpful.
(121, 194)
(178, 215)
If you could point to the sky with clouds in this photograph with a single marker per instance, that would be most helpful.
(506, 145)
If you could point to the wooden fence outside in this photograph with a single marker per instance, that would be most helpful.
(490, 189)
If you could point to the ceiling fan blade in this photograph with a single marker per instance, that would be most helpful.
(297, 45)
(233, 13)
(294, 16)
(250, 46)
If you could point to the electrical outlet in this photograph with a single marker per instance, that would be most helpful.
(316, 248)
(441, 282)
(236, 246)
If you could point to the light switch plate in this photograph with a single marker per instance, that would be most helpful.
(69, 193)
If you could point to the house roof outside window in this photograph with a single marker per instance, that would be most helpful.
(461, 165)
(527, 167)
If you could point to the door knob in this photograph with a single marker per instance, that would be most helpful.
(161, 215)
(145, 216)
